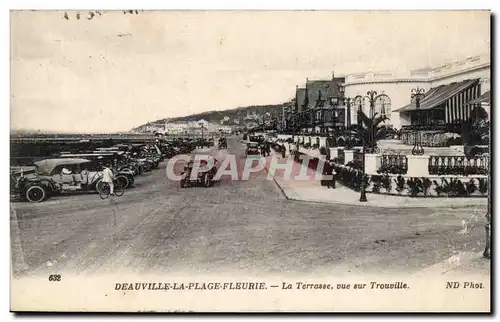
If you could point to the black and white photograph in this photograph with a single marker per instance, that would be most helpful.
(250, 161)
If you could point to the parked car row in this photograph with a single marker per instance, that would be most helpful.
(82, 172)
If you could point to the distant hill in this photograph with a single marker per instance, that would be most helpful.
(241, 116)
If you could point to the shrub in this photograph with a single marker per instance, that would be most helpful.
(483, 186)
(415, 186)
(438, 188)
(470, 187)
(457, 188)
(426, 185)
(400, 184)
(337, 160)
(355, 164)
(386, 183)
(377, 183)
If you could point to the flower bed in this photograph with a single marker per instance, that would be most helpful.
(394, 184)
(435, 186)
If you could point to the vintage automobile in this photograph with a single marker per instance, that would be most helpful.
(256, 138)
(252, 149)
(205, 178)
(56, 176)
(222, 143)
(120, 164)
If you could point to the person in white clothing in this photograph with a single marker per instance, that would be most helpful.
(108, 177)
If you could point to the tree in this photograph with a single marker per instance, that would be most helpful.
(475, 130)
(363, 132)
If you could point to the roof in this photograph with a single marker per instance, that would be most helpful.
(485, 98)
(438, 95)
(300, 96)
(46, 166)
(323, 89)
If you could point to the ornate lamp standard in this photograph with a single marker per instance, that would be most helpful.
(417, 94)
(372, 97)
(347, 101)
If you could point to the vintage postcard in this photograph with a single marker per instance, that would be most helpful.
(250, 161)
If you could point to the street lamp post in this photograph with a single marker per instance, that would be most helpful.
(364, 178)
(417, 94)
(347, 101)
(372, 97)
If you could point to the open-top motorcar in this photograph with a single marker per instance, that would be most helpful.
(118, 159)
(222, 143)
(61, 175)
(205, 177)
(252, 149)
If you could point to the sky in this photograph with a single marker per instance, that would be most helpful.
(116, 71)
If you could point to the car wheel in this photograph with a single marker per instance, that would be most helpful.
(36, 193)
(101, 187)
(123, 181)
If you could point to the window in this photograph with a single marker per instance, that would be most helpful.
(355, 107)
(383, 106)
(328, 116)
(334, 101)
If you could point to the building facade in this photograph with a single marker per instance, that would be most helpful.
(192, 127)
(448, 90)
(317, 107)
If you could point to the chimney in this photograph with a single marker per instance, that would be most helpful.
(333, 75)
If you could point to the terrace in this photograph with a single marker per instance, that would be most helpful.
(440, 172)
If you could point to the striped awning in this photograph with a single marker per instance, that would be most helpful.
(485, 98)
(437, 96)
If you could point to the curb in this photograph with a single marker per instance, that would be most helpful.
(361, 204)
(279, 186)
(281, 189)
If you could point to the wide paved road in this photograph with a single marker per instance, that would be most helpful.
(244, 225)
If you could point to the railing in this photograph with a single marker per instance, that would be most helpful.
(459, 165)
(429, 138)
(394, 164)
(426, 127)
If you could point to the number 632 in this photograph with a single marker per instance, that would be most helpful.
(55, 278)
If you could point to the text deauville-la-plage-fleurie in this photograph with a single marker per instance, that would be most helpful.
(197, 286)
(190, 286)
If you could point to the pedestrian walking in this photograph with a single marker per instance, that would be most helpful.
(328, 171)
(108, 177)
(332, 181)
